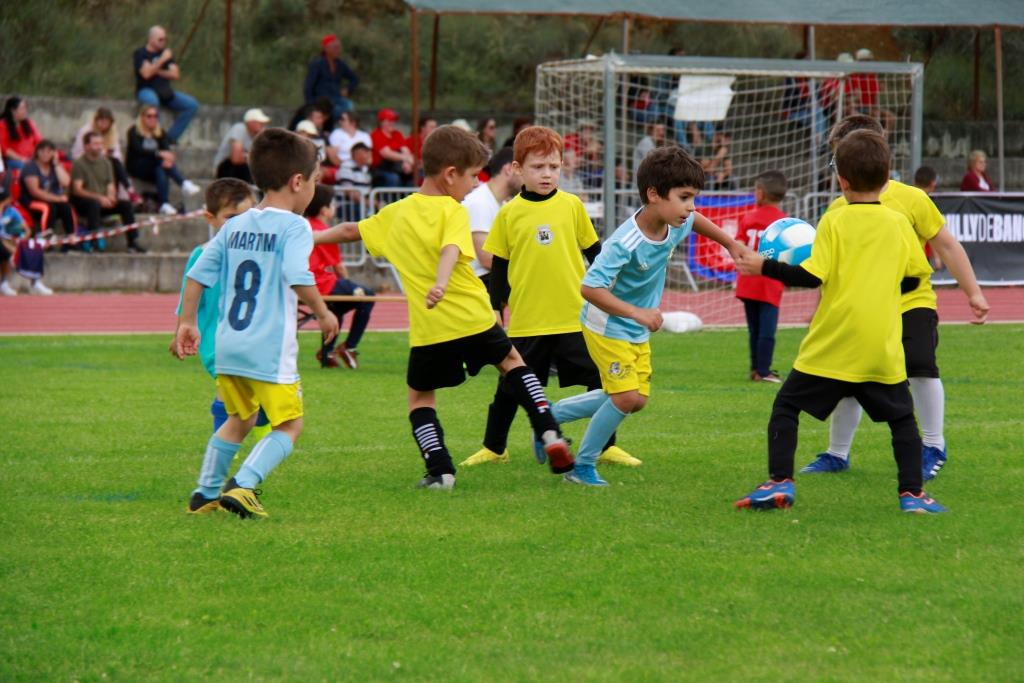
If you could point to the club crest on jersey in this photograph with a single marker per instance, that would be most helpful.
(615, 369)
(544, 235)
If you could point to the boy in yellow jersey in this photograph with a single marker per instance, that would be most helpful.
(537, 267)
(864, 256)
(920, 322)
(452, 329)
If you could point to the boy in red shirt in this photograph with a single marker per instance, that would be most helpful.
(760, 295)
(332, 278)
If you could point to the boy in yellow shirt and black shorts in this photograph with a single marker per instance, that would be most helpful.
(864, 257)
(452, 329)
(537, 239)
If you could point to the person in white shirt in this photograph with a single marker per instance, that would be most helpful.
(483, 204)
(346, 135)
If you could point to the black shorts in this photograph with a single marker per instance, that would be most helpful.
(445, 364)
(818, 396)
(567, 352)
(920, 340)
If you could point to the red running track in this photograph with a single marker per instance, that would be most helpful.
(139, 313)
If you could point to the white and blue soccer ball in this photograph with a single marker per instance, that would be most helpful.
(787, 240)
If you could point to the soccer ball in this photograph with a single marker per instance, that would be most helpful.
(787, 240)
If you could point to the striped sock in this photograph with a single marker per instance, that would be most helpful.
(429, 435)
(529, 393)
(265, 456)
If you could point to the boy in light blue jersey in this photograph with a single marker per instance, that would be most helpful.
(260, 258)
(623, 289)
(225, 199)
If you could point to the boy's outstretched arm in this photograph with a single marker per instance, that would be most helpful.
(336, 234)
(953, 255)
(309, 295)
(704, 226)
(752, 263)
(186, 336)
(445, 266)
(609, 303)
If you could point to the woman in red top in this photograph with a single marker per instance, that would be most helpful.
(18, 135)
(761, 295)
(975, 180)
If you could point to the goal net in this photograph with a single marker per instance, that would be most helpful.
(739, 117)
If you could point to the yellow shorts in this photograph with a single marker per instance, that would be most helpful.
(624, 366)
(243, 397)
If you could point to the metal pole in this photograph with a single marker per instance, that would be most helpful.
(999, 108)
(433, 64)
(917, 121)
(608, 175)
(812, 90)
(811, 50)
(625, 34)
(976, 108)
(227, 51)
(414, 59)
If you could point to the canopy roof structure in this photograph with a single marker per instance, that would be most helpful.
(976, 13)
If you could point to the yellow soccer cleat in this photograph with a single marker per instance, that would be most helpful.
(617, 456)
(484, 455)
(199, 505)
(243, 502)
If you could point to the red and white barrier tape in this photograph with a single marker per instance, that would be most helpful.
(153, 222)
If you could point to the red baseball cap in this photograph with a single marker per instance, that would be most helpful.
(387, 115)
(328, 39)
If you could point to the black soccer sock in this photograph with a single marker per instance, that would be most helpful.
(522, 383)
(782, 432)
(500, 415)
(906, 447)
(426, 429)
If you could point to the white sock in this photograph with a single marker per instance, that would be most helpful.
(930, 406)
(845, 419)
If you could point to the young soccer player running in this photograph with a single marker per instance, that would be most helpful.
(332, 278)
(452, 329)
(623, 289)
(225, 199)
(920, 322)
(864, 256)
(261, 260)
(537, 239)
(761, 296)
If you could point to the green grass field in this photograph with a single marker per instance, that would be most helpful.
(514, 575)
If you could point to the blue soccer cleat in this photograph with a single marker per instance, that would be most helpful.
(586, 475)
(921, 504)
(770, 495)
(826, 463)
(932, 460)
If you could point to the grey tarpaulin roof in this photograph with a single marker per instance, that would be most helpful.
(814, 12)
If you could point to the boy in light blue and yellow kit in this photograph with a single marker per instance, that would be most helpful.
(261, 260)
(623, 289)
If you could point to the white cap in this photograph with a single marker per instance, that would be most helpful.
(844, 57)
(307, 127)
(256, 115)
(864, 55)
(463, 124)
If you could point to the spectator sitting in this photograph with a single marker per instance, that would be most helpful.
(12, 233)
(232, 160)
(863, 93)
(570, 182)
(318, 111)
(43, 182)
(150, 158)
(487, 133)
(328, 76)
(19, 136)
(345, 136)
(331, 279)
(655, 138)
(154, 70)
(93, 193)
(355, 180)
(589, 153)
(393, 162)
(718, 169)
(428, 124)
(517, 125)
(975, 180)
(328, 156)
(103, 123)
